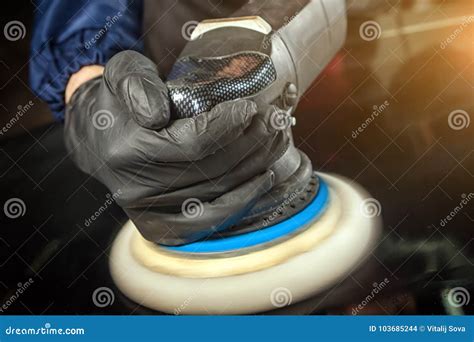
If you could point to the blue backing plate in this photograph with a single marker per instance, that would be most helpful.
(308, 214)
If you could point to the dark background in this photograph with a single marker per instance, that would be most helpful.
(409, 159)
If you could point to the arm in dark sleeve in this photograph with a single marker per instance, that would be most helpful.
(71, 34)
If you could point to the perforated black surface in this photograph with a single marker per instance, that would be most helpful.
(289, 205)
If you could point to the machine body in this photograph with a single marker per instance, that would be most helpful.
(269, 52)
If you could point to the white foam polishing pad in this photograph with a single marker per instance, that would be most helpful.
(255, 279)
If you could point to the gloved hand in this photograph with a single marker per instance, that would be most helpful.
(178, 181)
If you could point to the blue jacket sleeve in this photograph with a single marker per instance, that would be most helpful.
(71, 34)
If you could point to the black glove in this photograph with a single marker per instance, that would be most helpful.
(178, 181)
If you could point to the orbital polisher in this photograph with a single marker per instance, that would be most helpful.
(300, 238)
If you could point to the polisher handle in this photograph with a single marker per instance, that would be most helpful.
(268, 51)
